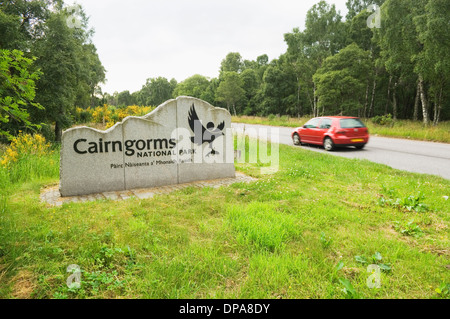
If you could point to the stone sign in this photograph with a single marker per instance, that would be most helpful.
(181, 141)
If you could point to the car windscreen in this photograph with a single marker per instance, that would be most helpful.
(351, 123)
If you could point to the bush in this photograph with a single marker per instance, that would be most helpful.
(83, 115)
(384, 120)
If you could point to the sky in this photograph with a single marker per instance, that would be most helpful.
(141, 39)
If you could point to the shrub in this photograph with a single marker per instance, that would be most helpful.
(384, 120)
(83, 115)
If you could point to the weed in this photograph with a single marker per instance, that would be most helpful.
(409, 229)
(443, 290)
(408, 203)
(376, 260)
(325, 240)
(348, 289)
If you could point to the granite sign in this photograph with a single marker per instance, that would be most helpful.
(181, 141)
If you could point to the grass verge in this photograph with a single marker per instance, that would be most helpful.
(304, 232)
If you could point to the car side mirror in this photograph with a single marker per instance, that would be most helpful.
(304, 126)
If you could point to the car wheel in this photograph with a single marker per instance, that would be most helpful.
(328, 144)
(360, 147)
(296, 139)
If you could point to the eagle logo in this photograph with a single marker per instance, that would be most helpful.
(203, 134)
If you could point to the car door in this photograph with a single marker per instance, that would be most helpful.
(309, 131)
(324, 126)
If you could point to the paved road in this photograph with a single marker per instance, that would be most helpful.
(413, 156)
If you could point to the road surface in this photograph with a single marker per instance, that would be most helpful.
(413, 156)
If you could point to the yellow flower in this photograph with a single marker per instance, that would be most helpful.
(25, 145)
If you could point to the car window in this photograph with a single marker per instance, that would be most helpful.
(314, 123)
(351, 123)
(326, 124)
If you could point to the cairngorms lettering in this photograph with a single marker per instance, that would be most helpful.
(131, 147)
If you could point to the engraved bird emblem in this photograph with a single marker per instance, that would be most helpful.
(203, 134)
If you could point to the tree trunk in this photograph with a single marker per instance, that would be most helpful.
(438, 108)
(298, 98)
(58, 132)
(389, 96)
(366, 103)
(315, 101)
(416, 104)
(309, 98)
(423, 97)
(394, 100)
(373, 93)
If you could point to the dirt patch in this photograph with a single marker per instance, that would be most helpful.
(437, 251)
(351, 272)
(23, 285)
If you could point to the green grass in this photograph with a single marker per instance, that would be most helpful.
(294, 234)
(400, 129)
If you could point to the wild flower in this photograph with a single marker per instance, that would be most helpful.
(25, 145)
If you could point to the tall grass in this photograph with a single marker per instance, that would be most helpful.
(31, 168)
(261, 226)
(413, 130)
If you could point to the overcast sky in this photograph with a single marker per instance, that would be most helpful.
(138, 39)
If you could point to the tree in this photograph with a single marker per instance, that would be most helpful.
(250, 85)
(10, 35)
(434, 60)
(194, 86)
(71, 68)
(21, 21)
(324, 35)
(325, 31)
(279, 88)
(232, 63)
(400, 44)
(355, 7)
(231, 90)
(90, 74)
(58, 58)
(125, 99)
(341, 81)
(209, 94)
(157, 91)
(17, 91)
(304, 65)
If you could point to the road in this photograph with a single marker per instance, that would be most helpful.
(413, 156)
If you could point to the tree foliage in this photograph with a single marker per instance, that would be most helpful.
(333, 65)
(17, 92)
(70, 66)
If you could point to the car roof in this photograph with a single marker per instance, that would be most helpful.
(337, 117)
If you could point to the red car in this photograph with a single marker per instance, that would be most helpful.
(332, 132)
